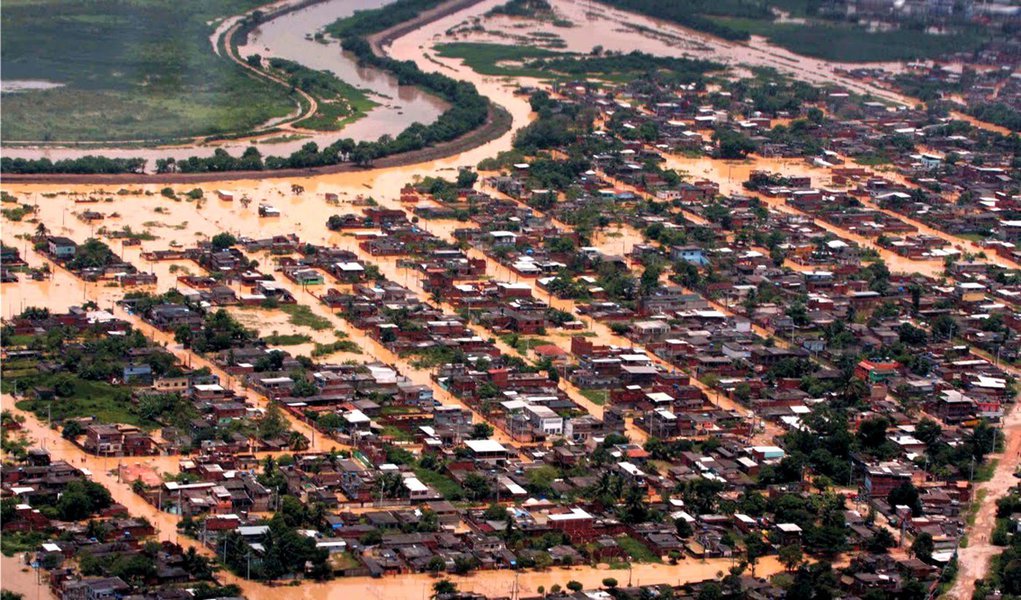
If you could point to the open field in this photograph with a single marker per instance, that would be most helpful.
(848, 43)
(143, 70)
(815, 37)
(492, 59)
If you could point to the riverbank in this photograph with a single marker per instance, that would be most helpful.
(288, 34)
(498, 122)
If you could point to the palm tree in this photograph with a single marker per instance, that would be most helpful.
(297, 441)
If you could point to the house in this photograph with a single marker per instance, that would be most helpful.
(103, 439)
(877, 372)
(61, 247)
(487, 450)
(691, 254)
(137, 373)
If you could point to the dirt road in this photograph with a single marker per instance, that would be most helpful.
(973, 561)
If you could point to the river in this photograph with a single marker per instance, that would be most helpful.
(286, 37)
(289, 36)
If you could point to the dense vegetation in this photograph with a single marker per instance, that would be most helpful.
(997, 113)
(365, 22)
(842, 42)
(85, 164)
(692, 14)
(468, 110)
(338, 102)
(1005, 571)
(127, 71)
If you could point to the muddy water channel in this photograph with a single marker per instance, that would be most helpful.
(288, 36)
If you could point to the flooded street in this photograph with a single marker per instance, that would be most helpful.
(22, 579)
(490, 583)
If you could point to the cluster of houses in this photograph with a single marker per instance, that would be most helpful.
(109, 537)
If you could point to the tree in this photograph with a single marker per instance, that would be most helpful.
(791, 556)
(754, 549)
(495, 512)
(481, 431)
(476, 487)
(540, 479)
(710, 591)
(575, 586)
(436, 564)
(466, 178)
(872, 433)
(184, 335)
(906, 494)
(733, 145)
(609, 582)
(443, 587)
(881, 541)
(683, 528)
(273, 423)
(923, 546)
(222, 241)
(928, 431)
(72, 430)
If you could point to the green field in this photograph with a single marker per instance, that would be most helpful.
(98, 399)
(524, 61)
(847, 43)
(139, 70)
(486, 59)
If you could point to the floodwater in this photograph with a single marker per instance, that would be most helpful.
(22, 579)
(490, 583)
(286, 37)
(600, 25)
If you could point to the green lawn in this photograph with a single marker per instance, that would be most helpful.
(139, 70)
(638, 551)
(596, 396)
(441, 483)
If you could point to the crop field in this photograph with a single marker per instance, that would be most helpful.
(127, 70)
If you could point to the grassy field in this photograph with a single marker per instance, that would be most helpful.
(847, 43)
(485, 59)
(638, 551)
(128, 71)
(596, 396)
(105, 402)
(302, 316)
(286, 339)
(523, 61)
(441, 483)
